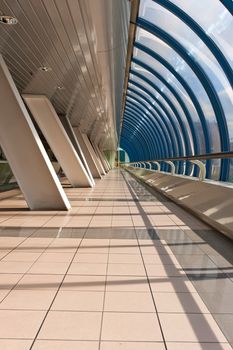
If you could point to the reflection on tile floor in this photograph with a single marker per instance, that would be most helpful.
(123, 269)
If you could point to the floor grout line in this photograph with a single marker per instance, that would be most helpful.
(59, 287)
(148, 281)
(113, 199)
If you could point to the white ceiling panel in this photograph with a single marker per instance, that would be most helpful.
(83, 42)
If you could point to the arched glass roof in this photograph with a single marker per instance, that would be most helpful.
(179, 99)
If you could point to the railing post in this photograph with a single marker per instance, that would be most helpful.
(202, 168)
(158, 165)
(172, 165)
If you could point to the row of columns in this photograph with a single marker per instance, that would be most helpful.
(81, 161)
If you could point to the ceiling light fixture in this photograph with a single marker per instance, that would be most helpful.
(10, 20)
(45, 69)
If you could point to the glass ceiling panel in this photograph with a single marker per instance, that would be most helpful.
(155, 44)
(173, 82)
(130, 93)
(137, 132)
(153, 102)
(160, 98)
(164, 90)
(151, 113)
(147, 111)
(142, 105)
(146, 120)
(149, 76)
(165, 121)
(165, 20)
(144, 93)
(167, 75)
(218, 24)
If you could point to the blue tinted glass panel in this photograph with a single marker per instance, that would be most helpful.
(183, 69)
(165, 20)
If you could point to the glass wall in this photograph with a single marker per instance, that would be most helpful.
(180, 83)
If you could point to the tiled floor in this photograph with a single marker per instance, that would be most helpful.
(124, 269)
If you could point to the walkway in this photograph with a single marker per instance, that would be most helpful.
(122, 270)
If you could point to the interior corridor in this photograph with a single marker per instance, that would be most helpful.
(123, 269)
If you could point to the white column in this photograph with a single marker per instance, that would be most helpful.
(25, 152)
(56, 136)
(112, 158)
(70, 132)
(88, 155)
(94, 154)
(105, 159)
(102, 160)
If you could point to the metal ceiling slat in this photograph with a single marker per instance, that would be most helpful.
(60, 34)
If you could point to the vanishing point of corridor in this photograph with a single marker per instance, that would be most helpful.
(123, 269)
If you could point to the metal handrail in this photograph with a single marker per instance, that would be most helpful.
(220, 155)
(193, 159)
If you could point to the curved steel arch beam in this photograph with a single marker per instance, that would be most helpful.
(228, 4)
(180, 79)
(156, 120)
(165, 147)
(138, 150)
(151, 154)
(155, 143)
(149, 136)
(145, 106)
(197, 29)
(187, 115)
(185, 85)
(133, 154)
(182, 104)
(160, 137)
(142, 135)
(131, 112)
(182, 126)
(170, 128)
(153, 118)
(130, 150)
(206, 83)
(127, 148)
(162, 142)
(186, 140)
(130, 120)
(173, 124)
